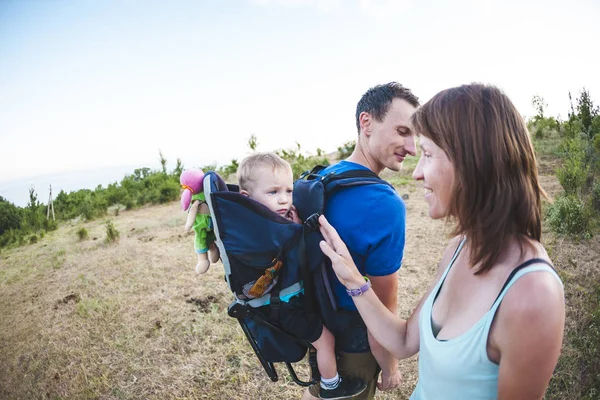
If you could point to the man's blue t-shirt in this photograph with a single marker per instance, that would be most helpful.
(371, 220)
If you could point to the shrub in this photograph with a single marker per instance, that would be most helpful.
(346, 149)
(568, 216)
(596, 197)
(228, 170)
(33, 239)
(129, 203)
(10, 216)
(300, 162)
(169, 191)
(50, 225)
(112, 234)
(573, 174)
(82, 234)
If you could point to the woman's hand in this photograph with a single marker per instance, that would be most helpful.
(341, 260)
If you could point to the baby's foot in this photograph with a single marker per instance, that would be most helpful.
(346, 389)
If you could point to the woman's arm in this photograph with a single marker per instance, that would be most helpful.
(528, 334)
(400, 337)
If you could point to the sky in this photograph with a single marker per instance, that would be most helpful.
(91, 89)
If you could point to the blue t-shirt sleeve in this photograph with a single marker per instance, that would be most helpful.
(371, 221)
(387, 230)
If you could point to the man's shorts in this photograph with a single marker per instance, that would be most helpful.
(356, 365)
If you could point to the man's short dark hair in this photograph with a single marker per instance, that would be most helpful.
(377, 100)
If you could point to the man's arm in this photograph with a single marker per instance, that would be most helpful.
(386, 289)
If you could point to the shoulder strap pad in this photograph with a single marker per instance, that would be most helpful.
(313, 188)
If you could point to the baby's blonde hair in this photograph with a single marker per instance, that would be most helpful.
(246, 173)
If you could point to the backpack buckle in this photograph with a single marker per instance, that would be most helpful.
(239, 310)
(312, 222)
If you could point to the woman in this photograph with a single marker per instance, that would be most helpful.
(491, 324)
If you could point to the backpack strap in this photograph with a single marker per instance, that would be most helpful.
(333, 182)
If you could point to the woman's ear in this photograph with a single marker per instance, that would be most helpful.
(244, 193)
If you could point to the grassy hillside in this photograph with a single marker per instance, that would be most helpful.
(85, 319)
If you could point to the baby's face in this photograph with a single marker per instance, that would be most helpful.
(273, 188)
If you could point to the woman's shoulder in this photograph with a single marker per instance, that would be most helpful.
(535, 291)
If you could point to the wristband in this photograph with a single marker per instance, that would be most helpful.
(359, 291)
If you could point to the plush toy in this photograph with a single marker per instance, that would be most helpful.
(193, 200)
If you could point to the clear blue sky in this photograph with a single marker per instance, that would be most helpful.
(98, 84)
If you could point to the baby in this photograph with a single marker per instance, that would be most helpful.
(268, 179)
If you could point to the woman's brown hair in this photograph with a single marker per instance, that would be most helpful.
(497, 194)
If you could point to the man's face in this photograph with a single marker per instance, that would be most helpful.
(390, 140)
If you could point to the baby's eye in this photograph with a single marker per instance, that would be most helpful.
(289, 191)
(273, 192)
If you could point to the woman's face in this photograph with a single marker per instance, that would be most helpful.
(437, 173)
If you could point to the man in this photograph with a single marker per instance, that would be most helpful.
(371, 220)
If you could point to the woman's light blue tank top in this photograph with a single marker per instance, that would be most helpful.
(460, 368)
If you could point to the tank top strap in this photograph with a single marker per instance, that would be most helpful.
(533, 265)
(519, 268)
(452, 260)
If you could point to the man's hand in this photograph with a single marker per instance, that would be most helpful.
(389, 381)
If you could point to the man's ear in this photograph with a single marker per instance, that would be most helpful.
(244, 193)
(365, 120)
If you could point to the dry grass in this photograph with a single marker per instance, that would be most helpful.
(131, 320)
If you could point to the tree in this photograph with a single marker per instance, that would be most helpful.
(10, 216)
(586, 112)
(33, 206)
(539, 105)
(140, 174)
(163, 162)
(253, 142)
(178, 169)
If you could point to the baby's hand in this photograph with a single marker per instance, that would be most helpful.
(293, 215)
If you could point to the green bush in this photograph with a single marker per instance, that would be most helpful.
(574, 172)
(50, 225)
(568, 216)
(33, 239)
(542, 127)
(10, 216)
(596, 197)
(169, 191)
(82, 234)
(129, 204)
(301, 162)
(346, 149)
(228, 170)
(112, 234)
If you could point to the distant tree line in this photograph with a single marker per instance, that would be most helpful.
(20, 225)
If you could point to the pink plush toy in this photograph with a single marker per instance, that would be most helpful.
(193, 200)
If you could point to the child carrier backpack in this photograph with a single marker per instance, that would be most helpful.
(269, 259)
